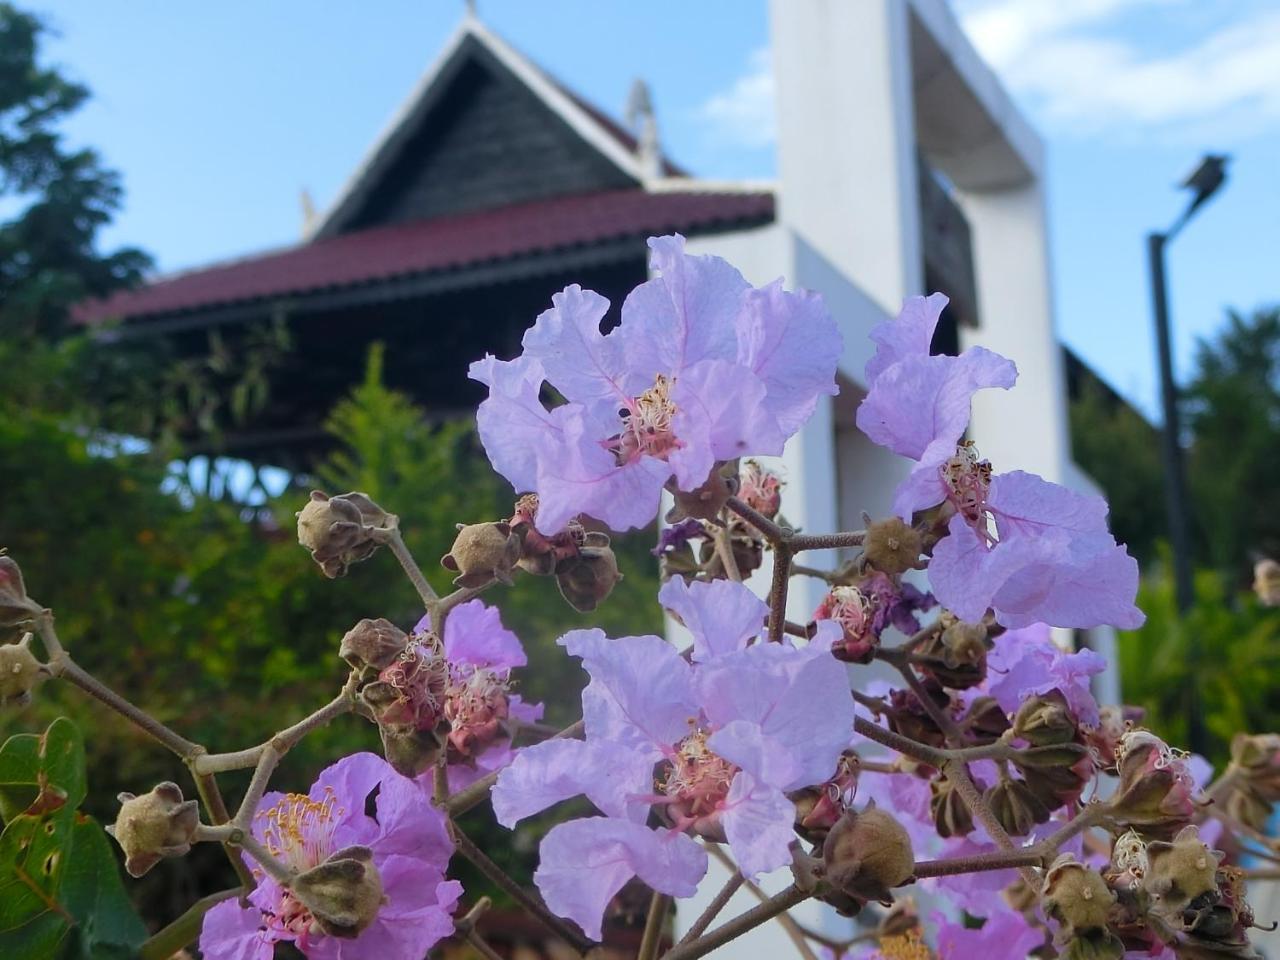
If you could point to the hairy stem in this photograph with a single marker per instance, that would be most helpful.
(996, 860)
(827, 541)
(395, 541)
(778, 591)
(216, 808)
(772, 532)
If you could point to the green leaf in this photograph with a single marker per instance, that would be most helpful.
(60, 890)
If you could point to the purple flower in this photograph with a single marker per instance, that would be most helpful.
(712, 747)
(1026, 548)
(704, 368)
(472, 688)
(411, 850)
(1026, 662)
(1005, 935)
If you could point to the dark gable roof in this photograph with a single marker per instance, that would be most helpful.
(436, 246)
(489, 160)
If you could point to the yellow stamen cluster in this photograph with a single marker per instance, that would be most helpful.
(968, 479)
(299, 830)
(906, 946)
(646, 425)
(698, 775)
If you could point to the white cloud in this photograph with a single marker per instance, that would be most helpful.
(1082, 70)
(744, 114)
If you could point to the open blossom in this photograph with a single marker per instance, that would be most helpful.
(1005, 935)
(704, 368)
(1026, 548)
(711, 747)
(470, 688)
(410, 848)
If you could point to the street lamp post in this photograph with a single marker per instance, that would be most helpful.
(1204, 181)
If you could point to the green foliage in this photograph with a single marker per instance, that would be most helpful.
(48, 260)
(1233, 661)
(1233, 413)
(60, 889)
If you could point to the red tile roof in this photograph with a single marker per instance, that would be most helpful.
(436, 245)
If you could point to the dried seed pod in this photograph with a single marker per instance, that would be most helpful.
(342, 530)
(867, 854)
(153, 826)
(373, 643)
(343, 894)
(20, 671)
(1016, 806)
(16, 608)
(590, 577)
(483, 552)
(1045, 719)
(1180, 871)
(706, 501)
(1076, 896)
(951, 816)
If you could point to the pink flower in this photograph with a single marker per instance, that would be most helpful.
(411, 850)
(1026, 662)
(1005, 935)
(466, 679)
(704, 368)
(1026, 548)
(712, 747)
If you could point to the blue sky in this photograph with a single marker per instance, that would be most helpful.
(219, 114)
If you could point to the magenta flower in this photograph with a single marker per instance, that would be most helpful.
(704, 368)
(712, 748)
(1026, 548)
(466, 679)
(1026, 662)
(411, 850)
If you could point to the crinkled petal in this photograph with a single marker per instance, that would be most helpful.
(409, 825)
(923, 402)
(686, 314)
(584, 863)
(641, 690)
(792, 343)
(720, 415)
(759, 823)
(583, 364)
(581, 476)
(907, 335)
(747, 746)
(1025, 661)
(799, 698)
(351, 780)
(233, 932)
(922, 489)
(966, 573)
(546, 773)
(517, 431)
(474, 634)
(1005, 936)
(721, 615)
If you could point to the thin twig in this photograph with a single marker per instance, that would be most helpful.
(996, 860)
(772, 532)
(800, 570)
(826, 541)
(739, 925)
(778, 591)
(654, 921)
(785, 920)
(724, 550)
(216, 808)
(395, 541)
(718, 903)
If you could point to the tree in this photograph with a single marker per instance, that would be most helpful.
(48, 256)
(1233, 416)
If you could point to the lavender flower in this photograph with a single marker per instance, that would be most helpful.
(1006, 935)
(704, 368)
(410, 847)
(1028, 549)
(728, 737)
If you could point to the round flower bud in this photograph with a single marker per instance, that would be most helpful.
(1016, 806)
(373, 643)
(1045, 719)
(342, 530)
(1180, 871)
(951, 815)
(1076, 896)
(867, 854)
(20, 671)
(1258, 760)
(957, 657)
(892, 546)
(1266, 582)
(482, 552)
(343, 894)
(153, 826)
(590, 577)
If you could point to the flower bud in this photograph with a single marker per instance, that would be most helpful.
(760, 489)
(1076, 896)
(342, 530)
(482, 552)
(407, 703)
(153, 826)
(855, 612)
(907, 715)
(343, 894)
(867, 854)
(892, 546)
(1258, 759)
(1016, 806)
(590, 577)
(819, 808)
(1045, 719)
(372, 643)
(986, 720)
(957, 657)
(951, 815)
(539, 554)
(1180, 871)
(1266, 582)
(706, 501)
(1155, 790)
(20, 671)
(411, 753)
(16, 608)
(477, 708)
(1104, 739)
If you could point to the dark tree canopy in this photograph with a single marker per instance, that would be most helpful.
(48, 256)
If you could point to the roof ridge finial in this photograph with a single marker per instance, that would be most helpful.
(471, 13)
(643, 122)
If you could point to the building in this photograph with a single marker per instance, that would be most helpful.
(903, 167)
